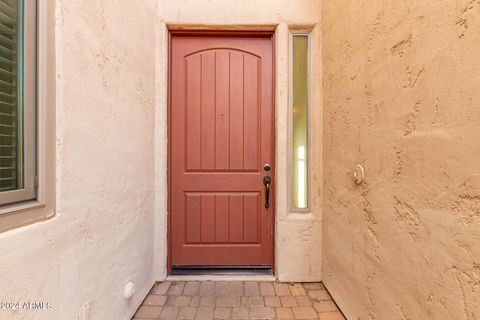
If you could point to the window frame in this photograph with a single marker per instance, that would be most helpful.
(28, 78)
(291, 154)
(43, 206)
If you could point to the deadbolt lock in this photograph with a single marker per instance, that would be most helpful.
(267, 167)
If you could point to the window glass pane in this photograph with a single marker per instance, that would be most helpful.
(300, 121)
(11, 102)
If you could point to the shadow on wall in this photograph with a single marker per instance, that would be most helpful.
(401, 97)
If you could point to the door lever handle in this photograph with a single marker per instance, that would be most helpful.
(267, 181)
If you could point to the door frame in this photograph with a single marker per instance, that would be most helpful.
(231, 33)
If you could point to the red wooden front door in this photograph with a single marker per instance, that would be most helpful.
(221, 135)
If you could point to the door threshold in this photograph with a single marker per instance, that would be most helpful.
(264, 278)
(221, 274)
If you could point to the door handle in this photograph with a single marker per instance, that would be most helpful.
(267, 181)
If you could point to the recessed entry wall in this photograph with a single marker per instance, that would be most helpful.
(297, 234)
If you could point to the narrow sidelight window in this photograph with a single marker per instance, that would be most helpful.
(299, 87)
(17, 101)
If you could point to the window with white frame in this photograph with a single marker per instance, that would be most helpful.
(299, 104)
(18, 159)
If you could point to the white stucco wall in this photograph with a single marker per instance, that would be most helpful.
(111, 192)
(102, 235)
(298, 236)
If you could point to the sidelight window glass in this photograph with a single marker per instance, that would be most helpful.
(299, 89)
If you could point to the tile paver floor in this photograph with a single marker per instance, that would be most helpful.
(238, 300)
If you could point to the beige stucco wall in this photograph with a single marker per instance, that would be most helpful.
(401, 97)
(102, 235)
(298, 236)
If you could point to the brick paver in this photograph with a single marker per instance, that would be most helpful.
(182, 301)
(161, 288)
(272, 301)
(319, 295)
(266, 289)
(297, 289)
(228, 301)
(325, 306)
(207, 288)
(209, 300)
(288, 301)
(169, 312)
(262, 313)
(240, 313)
(148, 312)
(176, 289)
(155, 300)
(255, 302)
(236, 288)
(304, 313)
(304, 301)
(223, 313)
(195, 302)
(252, 289)
(205, 313)
(191, 289)
(284, 313)
(281, 289)
(331, 316)
(221, 288)
(187, 313)
(313, 286)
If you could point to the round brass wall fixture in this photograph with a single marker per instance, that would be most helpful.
(358, 174)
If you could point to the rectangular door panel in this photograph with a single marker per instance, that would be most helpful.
(221, 134)
(209, 217)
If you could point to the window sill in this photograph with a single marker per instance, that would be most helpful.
(24, 214)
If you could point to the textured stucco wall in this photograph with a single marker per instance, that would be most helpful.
(244, 12)
(401, 97)
(102, 235)
(298, 255)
